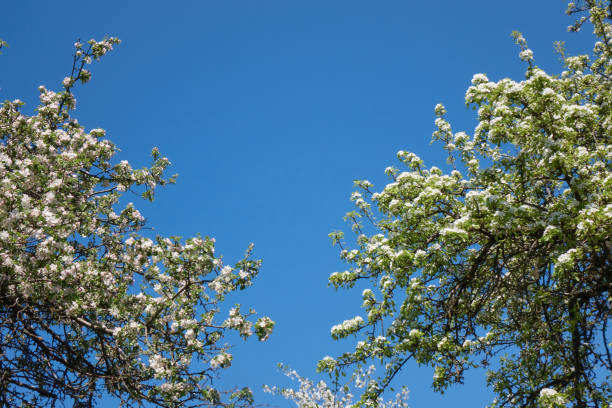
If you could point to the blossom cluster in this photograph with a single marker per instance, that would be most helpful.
(346, 327)
(321, 395)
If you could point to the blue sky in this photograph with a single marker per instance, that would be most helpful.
(269, 110)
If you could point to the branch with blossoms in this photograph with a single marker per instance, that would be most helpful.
(321, 395)
(505, 260)
(88, 305)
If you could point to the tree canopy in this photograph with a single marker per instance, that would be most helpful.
(504, 260)
(89, 304)
(500, 260)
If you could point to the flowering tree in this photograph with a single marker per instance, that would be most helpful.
(87, 305)
(504, 261)
(320, 395)
(585, 5)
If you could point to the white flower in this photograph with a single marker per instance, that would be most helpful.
(50, 217)
(100, 133)
(328, 359)
(439, 109)
(549, 395)
(55, 183)
(347, 326)
(566, 258)
(156, 362)
(221, 360)
(190, 334)
(479, 78)
(526, 55)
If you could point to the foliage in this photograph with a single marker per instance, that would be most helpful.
(87, 304)
(504, 262)
(320, 395)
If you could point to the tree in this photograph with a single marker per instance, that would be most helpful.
(88, 305)
(504, 261)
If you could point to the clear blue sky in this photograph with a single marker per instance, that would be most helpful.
(269, 109)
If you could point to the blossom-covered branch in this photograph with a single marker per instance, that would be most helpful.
(88, 305)
(504, 261)
(321, 395)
